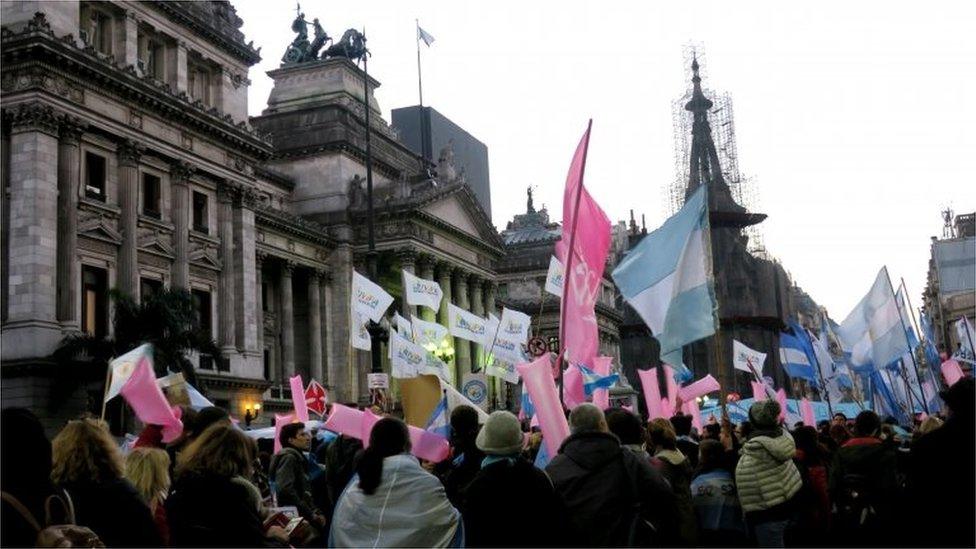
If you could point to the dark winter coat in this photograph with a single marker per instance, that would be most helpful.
(289, 474)
(942, 474)
(458, 473)
(114, 511)
(870, 466)
(601, 485)
(340, 465)
(509, 492)
(213, 511)
(677, 470)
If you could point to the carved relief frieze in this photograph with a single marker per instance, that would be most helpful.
(203, 273)
(97, 246)
(153, 240)
(35, 78)
(204, 254)
(98, 225)
(150, 259)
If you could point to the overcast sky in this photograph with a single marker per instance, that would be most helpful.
(856, 120)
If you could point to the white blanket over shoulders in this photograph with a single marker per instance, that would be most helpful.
(408, 509)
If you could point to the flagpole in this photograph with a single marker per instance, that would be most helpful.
(908, 307)
(824, 393)
(108, 381)
(420, 85)
(716, 339)
(570, 253)
(904, 330)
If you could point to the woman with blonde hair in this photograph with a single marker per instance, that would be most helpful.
(211, 505)
(148, 470)
(87, 464)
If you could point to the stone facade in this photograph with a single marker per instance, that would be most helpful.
(129, 162)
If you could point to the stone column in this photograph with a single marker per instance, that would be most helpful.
(325, 290)
(314, 327)
(345, 378)
(478, 308)
(69, 182)
(408, 260)
(462, 347)
(129, 153)
(179, 178)
(490, 290)
(427, 271)
(444, 272)
(245, 278)
(226, 289)
(131, 38)
(498, 385)
(180, 70)
(32, 329)
(259, 258)
(287, 314)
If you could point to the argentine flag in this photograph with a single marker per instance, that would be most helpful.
(873, 331)
(593, 381)
(667, 279)
(439, 422)
(793, 356)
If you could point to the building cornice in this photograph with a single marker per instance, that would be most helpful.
(173, 10)
(293, 225)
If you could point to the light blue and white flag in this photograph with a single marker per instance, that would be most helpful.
(427, 38)
(593, 381)
(873, 331)
(439, 421)
(793, 356)
(667, 279)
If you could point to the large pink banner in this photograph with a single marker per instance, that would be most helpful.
(702, 387)
(758, 391)
(298, 398)
(573, 393)
(280, 421)
(146, 399)
(691, 408)
(601, 397)
(781, 398)
(587, 229)
(951, 372)
(652, 392)
(806, 411)
(537, 379)
(671, 385)
(345, 421)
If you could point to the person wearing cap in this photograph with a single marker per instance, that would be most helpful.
(766, 477)
(508, 489)
(942, 471)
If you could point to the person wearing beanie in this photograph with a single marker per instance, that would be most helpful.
(507, 489)
(766, 477)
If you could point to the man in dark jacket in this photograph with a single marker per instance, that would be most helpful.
(507, 490)
(607, 490)
(864, 485)
(686, 445)
(289, 473)
(457, 473)
(941, 472)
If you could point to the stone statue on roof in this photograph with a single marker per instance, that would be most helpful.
(352, 46)
(301, 50)
(446, 170)
(529, 207)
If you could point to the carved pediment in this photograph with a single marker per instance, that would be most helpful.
(98, 227)
(461, 212)
(154, 242)
(205, 257)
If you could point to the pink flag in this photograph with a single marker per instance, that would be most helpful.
(699, 388)
(586, 229)
(298, 398)
(280, 421)
(667, 409)
(781, 398)
(573, 393)
(652, 392)
(758, 391)
(428, 445)
(951, 372)
(601, 397)
(537, 379)
(147, 400)
(692, 409)
(534, 422)
(806, 411)
(369, 419)
(346, 421)
(672, 386)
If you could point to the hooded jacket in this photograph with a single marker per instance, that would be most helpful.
(678, 470)
(601, 485)
(766, 475)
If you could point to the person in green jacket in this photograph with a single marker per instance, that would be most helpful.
(766, 476)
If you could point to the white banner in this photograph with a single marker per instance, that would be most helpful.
(514, 326)
(410, 360)
(403, 326)
(377, 381)
(358, 335)
(427, 333)
(554, 278)
(747, 360)
(420, 291)
(368, 298)
(466, 325)
(475, 388)
(504, 368)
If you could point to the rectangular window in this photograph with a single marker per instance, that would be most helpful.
(151, 196)
(201, 299)
(199, 83)
(149, 287)
(100, 32)
(94, 301)
(95, 176)
(200, 213)
(267, 364)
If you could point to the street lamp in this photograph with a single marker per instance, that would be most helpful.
(251, 413)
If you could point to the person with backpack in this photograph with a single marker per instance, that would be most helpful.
(766, 477)
(678, 471)
(507, 490)
(864, 486)
(289, 473)
(612, 497)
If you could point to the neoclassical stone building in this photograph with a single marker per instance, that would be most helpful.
(129, 162)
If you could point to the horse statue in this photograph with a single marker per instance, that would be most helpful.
(352, 46)
(301, 50)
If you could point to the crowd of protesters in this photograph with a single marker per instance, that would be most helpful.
(615, 481)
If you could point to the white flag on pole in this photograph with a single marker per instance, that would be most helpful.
(368, 298)
(358, 335)
(747, 360)
(420, 291)
(554, 278)
(466, 325)
(425, 36)
(503, 367)
(427, 333)
(514, 326)
(403, 326)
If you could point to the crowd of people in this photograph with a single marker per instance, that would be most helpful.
(615, 481)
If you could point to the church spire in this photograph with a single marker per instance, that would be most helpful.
(705, 168)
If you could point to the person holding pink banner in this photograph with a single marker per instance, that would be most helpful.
(393, 502)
